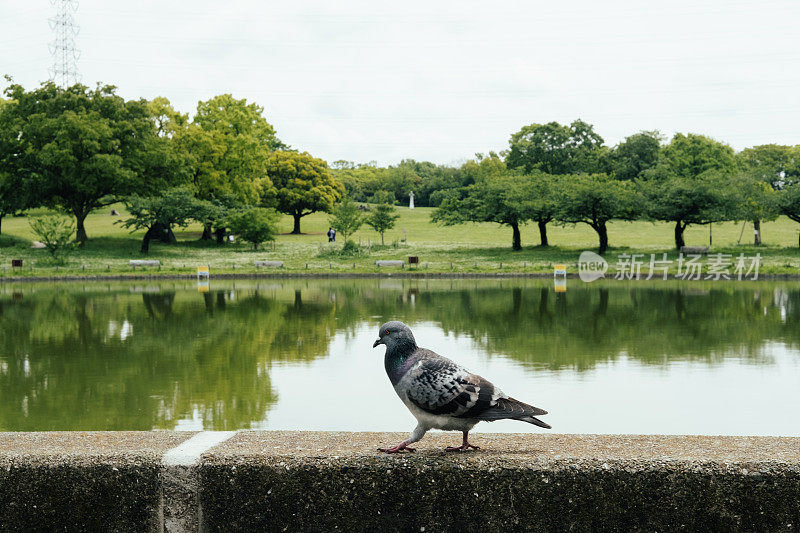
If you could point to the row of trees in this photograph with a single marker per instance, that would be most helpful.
(566, 174)
(693, 179)
(78, 149)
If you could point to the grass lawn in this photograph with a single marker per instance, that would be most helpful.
(469, 247)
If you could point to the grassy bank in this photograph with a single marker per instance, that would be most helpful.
(466, 248)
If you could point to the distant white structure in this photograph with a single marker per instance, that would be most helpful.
(411, 200)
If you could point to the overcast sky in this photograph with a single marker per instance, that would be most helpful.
(440, 80)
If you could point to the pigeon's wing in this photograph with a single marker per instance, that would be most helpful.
(441, 387)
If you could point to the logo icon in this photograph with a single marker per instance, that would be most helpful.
(591, 266)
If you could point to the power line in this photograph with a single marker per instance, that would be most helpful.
(64, 71)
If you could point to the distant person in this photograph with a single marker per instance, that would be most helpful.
(331, 235)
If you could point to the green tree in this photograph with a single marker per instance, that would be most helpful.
(80, 149)
(55, 232)
(382, 218)
(690, 155)
(236, 117)
(773, 165)
(542, 201)
(14, 196)
(596, 199)
(497, 197)
(753, 200)
(302, 185)
(167, 119)
(554, 148)
(14, 193)
(636, 154)
(788, 201)
(346, 218)
(254, 225)
(228, 144)
(158, 214)
(711, 197)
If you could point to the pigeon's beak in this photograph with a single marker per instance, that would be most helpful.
(377, 342)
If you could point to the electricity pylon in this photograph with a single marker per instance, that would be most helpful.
(64, 71)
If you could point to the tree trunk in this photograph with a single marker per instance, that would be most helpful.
(163, 233)
(80, 233)
(543, 233)
(206, 233)
(146, 239)
(757, 232)
(602, 232)
(679, 227)
(255, 246)
(516, 240)
(1, 224)
(381, 238)
(297, 217)
(219, 233)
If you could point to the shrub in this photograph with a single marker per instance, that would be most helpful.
(254, 225)
(55, 232)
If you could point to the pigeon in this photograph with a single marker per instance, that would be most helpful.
(442, 394)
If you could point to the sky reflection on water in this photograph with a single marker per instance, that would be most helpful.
(689, 358)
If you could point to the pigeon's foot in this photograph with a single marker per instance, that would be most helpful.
(463, 448)
(397, 449)
(465, 445)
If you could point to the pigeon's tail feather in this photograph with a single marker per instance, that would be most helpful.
(536, 422)
(515, 410)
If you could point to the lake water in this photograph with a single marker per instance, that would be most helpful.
(635, 357)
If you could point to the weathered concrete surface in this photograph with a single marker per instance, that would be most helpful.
(305, 481)
(82, 481)
(328, 481)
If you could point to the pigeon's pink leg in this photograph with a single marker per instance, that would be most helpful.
(464, 447)
(399, 448)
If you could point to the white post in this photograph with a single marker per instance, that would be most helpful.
(411, 200)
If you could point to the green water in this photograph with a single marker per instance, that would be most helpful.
(710, 358)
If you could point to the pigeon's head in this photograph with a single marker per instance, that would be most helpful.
(394, 335)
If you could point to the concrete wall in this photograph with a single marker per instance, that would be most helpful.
(305, 481)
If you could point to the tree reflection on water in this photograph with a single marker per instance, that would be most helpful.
(133, 356)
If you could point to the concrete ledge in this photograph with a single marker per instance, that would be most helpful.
(71, 481)
(305, 481)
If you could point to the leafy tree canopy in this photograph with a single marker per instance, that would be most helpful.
(79, 149)
(554, 148)
(235, 117)
(690, 155)
(635, 154)
(497, 195)
(228, 144)
(596, 199)
(711, 197)
(774, 164)
(302, 185)
(158, 214)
